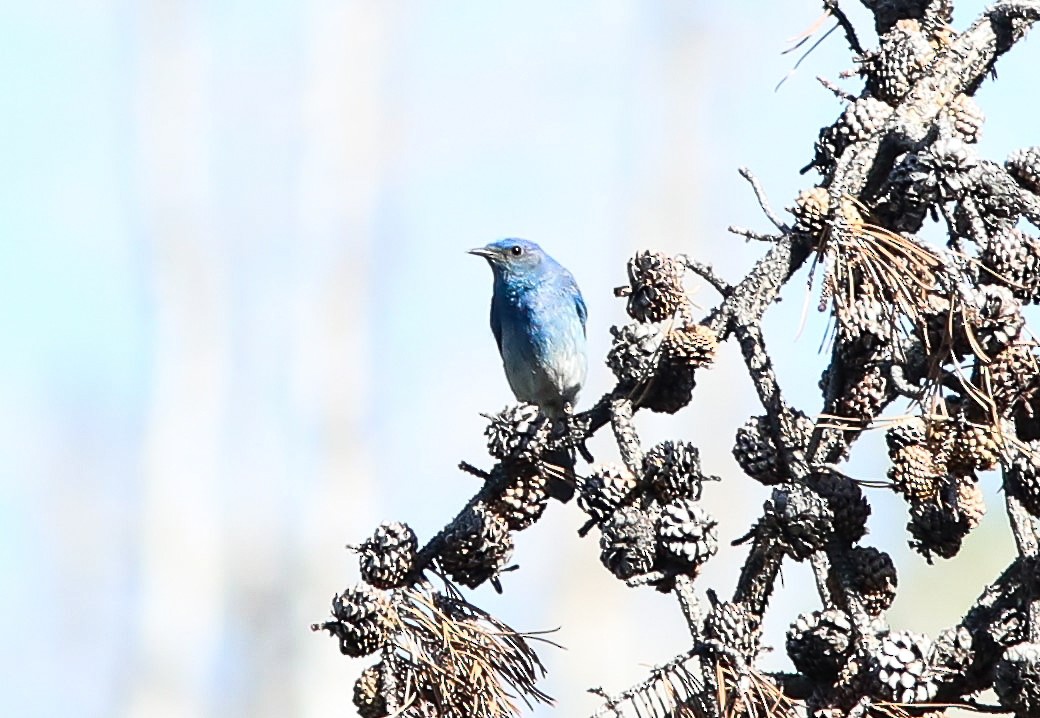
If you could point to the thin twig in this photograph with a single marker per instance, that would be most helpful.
(706, 272)
(752, 234)
(831, 6)
(760, 195)
(839, 92)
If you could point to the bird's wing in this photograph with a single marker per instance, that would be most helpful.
(496, 325)
(579, 304)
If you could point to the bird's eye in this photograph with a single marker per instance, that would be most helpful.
(516, 250)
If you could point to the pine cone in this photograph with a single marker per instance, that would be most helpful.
(864, 117)
(865, 319)
(952, 655)
(966, 118)
(519, 432)
(1016, 679)
(690, 345)
(819, 643)
(901, 668)
(982, 321)
(798, 519)
(867, 390)
(733, 625)
(525, 497)
(872, 575)
(972, 447)
(641, 364)
(368, 694)
(476, 548)
(811, 208)
(952, 163)
(846, 501)
(755, 451)
(898, 63)
(912, 432)
(1012, 257)
(995, 316)
(365, 620)
(1012, 376)
(1024, 166)
(671, 390)
(636, 352)
(655, 290)
(914, 473)
(673, 471)
(996, 198)
(908, 195)
(969, 500)
(859, 121)
(936, 528)
(686, 535)
(669, 373)
(627, 543)
(605, 490)
(1022, 478)
(388, 556)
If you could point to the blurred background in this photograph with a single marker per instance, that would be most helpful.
(239, 328)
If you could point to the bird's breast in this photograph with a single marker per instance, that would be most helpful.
(543, 353)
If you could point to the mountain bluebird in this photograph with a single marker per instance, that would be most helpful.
(538, 319)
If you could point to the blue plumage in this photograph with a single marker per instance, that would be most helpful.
(538, 319)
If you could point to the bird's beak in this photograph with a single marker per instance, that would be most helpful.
(483, 252)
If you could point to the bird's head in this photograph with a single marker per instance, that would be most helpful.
(513, 257)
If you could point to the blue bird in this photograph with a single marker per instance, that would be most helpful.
(538, 319)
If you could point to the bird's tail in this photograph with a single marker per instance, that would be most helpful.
(560, 477)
